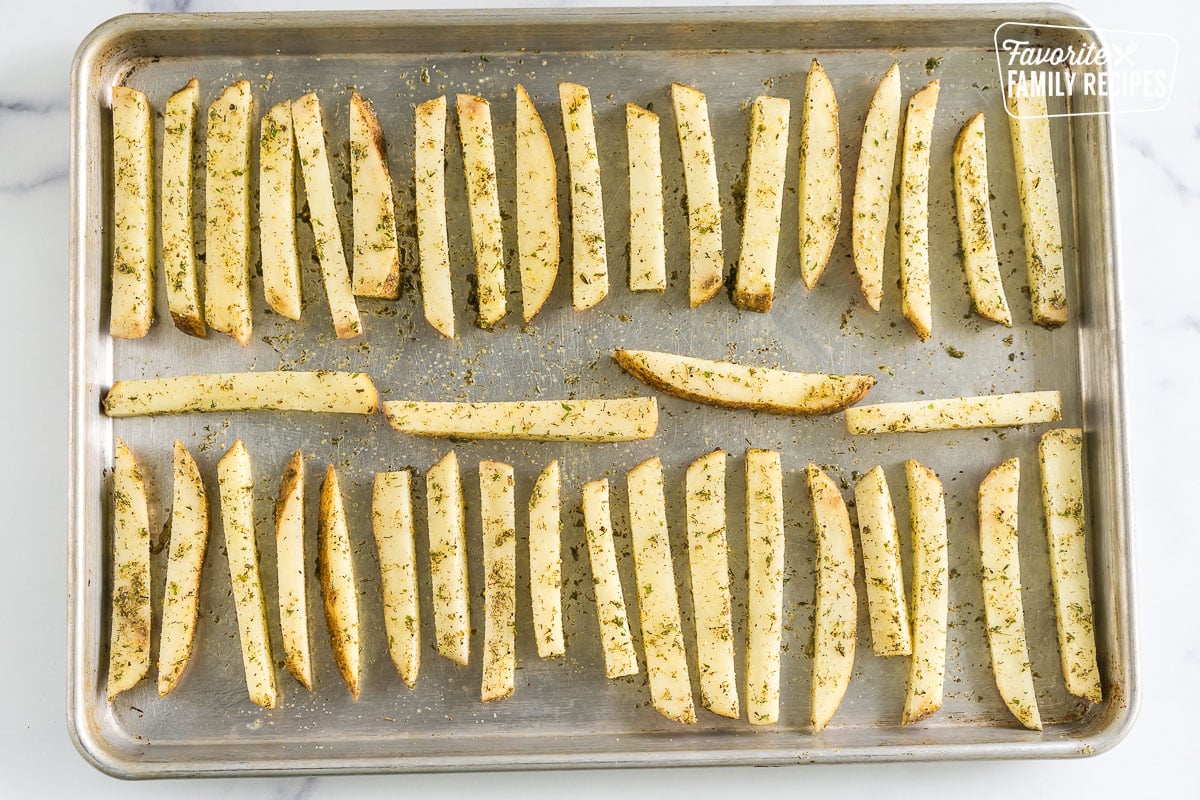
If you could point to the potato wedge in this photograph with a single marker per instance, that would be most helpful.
(764, 607)
(647, 243)
(291, 571)
(1001, 576)
(619, 420)
(185, 559)
(129, 641)
(1060, 454)
(765, 168)
(915, 299)
(498, 513)
(392, 522)
(708, 559)
(973, 204)
(890, 632)
(433, 247)
(277, 212)
(954, 413)
(619, 656)
(589, 257)
(227, 305)
(376, 254)
(132, 307)
(871, 206)
(537, 208)
(322, 211)
(175, 213)
(236, 488)
(835, 619)
(724, 383)
(483, 203)
(545, 562)
(335, 392)
(339, 587)
(820, 175)
(706, 252)
(1029, 126)
(930, 600)
(448, 559)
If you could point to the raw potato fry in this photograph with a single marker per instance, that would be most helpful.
(766, 165)
(890, 632)
(647, 245)
(708, 558)
(1029, 125)
(129, 642)
(448, 559)
(227, 214)
(376, 254)
(277, 212)
(619, 656)
(545, 562)
(132, 309)
(498, 515)
(181, 597)
(327, 232)
(291, 570)
(954, 413)
(537, 208)
(236, 487)
(658, 599)
(724, 383)
(274, 390)
(392, 521)
(972, 202)
(1060, 454)
(707, 257)
(433, 248)
(873, 185)
(620, 420)
(339, 589)
(930, 603)
(915, 299)
(764, 607)
(820, 175)
(1001, 575)
(483, 203)
(589, 259)
(178, 236)
(835, 620)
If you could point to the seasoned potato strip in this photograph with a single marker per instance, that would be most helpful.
(181, 597)
(930, 604)
(339, 588)
(619, 656)
(498, 512)
(890, 632)
(448, 559)
(178, 235)
(589, 257)
(277, 212)
(291, 570)
(835, 620)
(545, 562)
(764, 608)
(619, 420)
(765, 168)
(132, 307)
(707, 256)
(227, 214)
(820, 175)
(985, 411)
(129, 640)
(335, 392)
(972, 201)
(392, 521)
(873, 185)
(915, 299)
(483, 203)
(433, 248)
(376, 253)
(537, 208)
(647, 245)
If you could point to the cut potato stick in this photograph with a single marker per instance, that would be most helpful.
(132, 308)
(129, 641)
(327, 232)
(545, 562)
(764, 607)
(707, 256)
(589, 259)
(537, 208)
(1001, 576)
(448, 559)
(708, 558)
(483, 204)
(498, 514)
(930, 602)
(724, 383)
(620, 420)
(619, 656)
(873, 185)
(339, 589)
(1060, 454)
(915, 299)
(291, 571)
(227, 214)
(890, 632)
(765, 168)
(433, 248)
(376, 254)
(335, 392)
(820, 175)
(954, 413)
(835, 619)
(185, 559)
(392, 522)
(178, 235)
(972, 201)
(236, 487)
(277, 212)
(658, 599)
(647, 245)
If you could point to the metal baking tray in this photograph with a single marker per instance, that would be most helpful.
(564, 712)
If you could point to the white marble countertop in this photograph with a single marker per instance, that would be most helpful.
(1158, 158)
